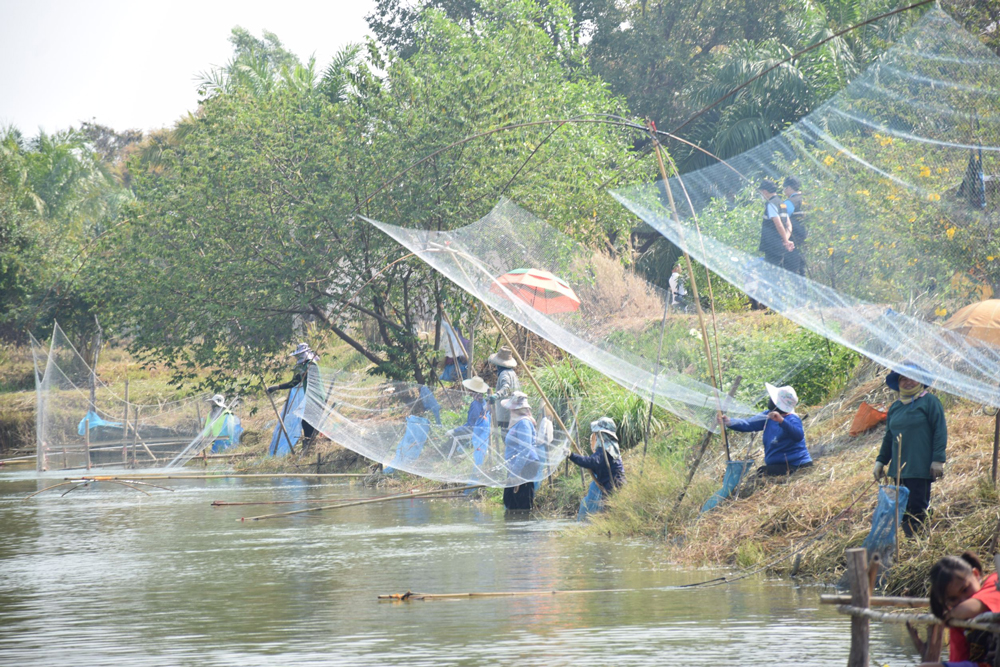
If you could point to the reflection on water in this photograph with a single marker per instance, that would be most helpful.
(109, 576)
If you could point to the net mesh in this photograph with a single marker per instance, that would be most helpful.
(897, 225)
(82, 423)
(408, 428)
(615, 326)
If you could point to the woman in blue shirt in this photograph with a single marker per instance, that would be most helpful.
(476, 428)
(784, 439)
(519, 454)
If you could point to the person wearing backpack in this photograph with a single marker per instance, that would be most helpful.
(775, 241)
(795, 261)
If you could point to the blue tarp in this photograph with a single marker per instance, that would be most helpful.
(292, 416)
(95, 421)
(230, 434)
(735, 471)
(591, 503)
(882, 538)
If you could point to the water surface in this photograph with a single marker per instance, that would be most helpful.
(109, 576)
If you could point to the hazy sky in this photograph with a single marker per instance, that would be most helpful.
(133, 64)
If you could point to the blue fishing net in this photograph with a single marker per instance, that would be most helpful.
(882, 537)
(735, 472)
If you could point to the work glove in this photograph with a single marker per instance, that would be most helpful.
(564, 451)
(271, 389)
(879, 471)
(937, 469)
(492, 398)
(450, 433)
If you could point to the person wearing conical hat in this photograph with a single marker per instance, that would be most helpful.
(507, 383)
(476, 428)
(784, 438)
(304, 356)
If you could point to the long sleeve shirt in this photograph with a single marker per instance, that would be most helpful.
(507, 384)
(925, 436)
(519, 452)
(784, 443)
(609, 473)
(477, 412)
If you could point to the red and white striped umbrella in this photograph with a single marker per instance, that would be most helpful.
(539, 289)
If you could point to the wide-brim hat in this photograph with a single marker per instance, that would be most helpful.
(303, 348)
(605, 425)
(784, 398)
(517, 401)
(476, 384)
(218, 399)
(892, 379)
(503, 358)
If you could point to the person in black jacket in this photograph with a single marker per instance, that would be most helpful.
(795, 261)
(775, 235)
(304, 356)
(605, 464)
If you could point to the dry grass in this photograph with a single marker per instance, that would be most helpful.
(782, 515)
(615, 298)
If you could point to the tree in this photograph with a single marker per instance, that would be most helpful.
(250, 227)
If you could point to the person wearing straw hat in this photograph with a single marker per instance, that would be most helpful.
(411, 445)
(605, 463)
(477, 422)
(917, 417)
(507, 383)
(784, 438)
(304, 356)
(520, 455)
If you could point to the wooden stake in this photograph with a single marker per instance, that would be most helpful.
(996, 448)
(125, 428)
(368, 501)
(281, 422)
(857, 575)
(86, 437)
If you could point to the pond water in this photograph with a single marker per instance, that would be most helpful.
(109, 576)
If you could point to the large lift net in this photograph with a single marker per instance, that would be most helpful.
(616, 328)
(83, 424)
(409, 428)
(899, 176)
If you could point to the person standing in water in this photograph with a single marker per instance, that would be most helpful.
(304, 357)
(605, 464)
(520, 456)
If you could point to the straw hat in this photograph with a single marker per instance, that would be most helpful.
(303, 348)
(503, 358)
(517, 401)
(785, 398)
(892, 379)
(476, 384)
(218, 399)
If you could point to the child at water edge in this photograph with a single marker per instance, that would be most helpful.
(958, 592)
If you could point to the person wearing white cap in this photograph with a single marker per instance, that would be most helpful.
(784, 438)
(477, 421)
(520, 455)
(507, 383)
(300, 373)
(222, 427)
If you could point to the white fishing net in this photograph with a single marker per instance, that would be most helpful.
(899, 177)
(409, 428)
(616, 329)
(82, 423)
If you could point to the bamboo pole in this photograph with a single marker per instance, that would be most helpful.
(125, 427)
(226, 503)
(701, 453)
(876, 601)
(857, 574)
(276, 475)
(86, 437)
(403, 597)
(381, 499)
(281, 422)
(902, 618)
(895, 509)
(996, 446)
(694, 284)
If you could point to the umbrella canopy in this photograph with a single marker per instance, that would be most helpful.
(539, 289)
(980, 321)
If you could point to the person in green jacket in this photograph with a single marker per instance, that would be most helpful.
(918, 417)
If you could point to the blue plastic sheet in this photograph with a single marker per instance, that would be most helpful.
(95, 421)
(230, 434)
(735, 471)
(291, 415)
(882, 537)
